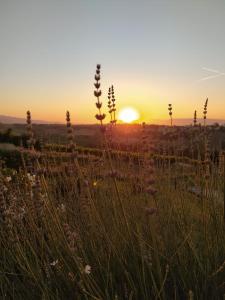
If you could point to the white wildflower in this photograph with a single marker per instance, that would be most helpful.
(8, 178)
(54, 263)
(87, 269)
(63, 207)
(31, 178)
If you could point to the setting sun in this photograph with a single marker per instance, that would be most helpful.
(128, 115)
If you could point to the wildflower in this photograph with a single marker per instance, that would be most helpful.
(170, 113)
(100, 117)
(31, 140)
(110, 104)
(54, 263)
(97, 93)
(70, 136)
(8, 178)
(205, 108)
(113, 106)
(195, 118)
(62, 208)
(31, 178)
(87, 269)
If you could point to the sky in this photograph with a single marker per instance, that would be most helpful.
(153, 52)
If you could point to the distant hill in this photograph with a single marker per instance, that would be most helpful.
(14, 120)
(182, 122)
(179, 122)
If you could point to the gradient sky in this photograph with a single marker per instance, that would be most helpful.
(154, 52)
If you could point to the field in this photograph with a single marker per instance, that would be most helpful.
(137, 220)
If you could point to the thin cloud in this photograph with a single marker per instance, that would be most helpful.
(212, 70)
(215, 75)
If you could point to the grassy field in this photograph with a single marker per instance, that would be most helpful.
(112, 224)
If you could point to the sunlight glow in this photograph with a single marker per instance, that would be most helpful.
(128, 115)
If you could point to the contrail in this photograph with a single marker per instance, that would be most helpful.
(211, 70)
(216, 74)
(211, 77)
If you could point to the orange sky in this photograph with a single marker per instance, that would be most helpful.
(149, 99)
(153, 52)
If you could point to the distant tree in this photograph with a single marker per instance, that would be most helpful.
(5, 136)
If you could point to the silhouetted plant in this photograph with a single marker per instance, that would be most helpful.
(205, 111)
(110, 105)
(195, 118)
(170, 114)
(97, 93)
(70, 136)
(31, 140)
(113, 109)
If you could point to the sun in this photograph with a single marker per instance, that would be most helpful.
(128, 115)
